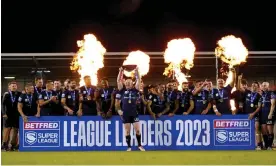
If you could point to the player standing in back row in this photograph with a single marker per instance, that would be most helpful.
(129, 96)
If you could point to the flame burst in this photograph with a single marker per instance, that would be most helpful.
(231, 50)
(139, 58)
(89, 58)
(179, 54)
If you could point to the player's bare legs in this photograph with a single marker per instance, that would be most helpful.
(137, 129)
(127, 134)
(258, 135)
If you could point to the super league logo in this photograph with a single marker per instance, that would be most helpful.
(30, 137)
(221, 136)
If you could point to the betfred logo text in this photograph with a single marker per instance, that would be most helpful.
(41, 125)
(231, 124)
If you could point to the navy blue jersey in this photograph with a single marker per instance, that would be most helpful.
(172, 96)
(58, 108)
(129, 99)
(251, 101)
(266, 102)
(46, 95)
(222, 99)
(238, 97)
(89, 100)
(37, 92)
(29, 104)
(140, 105)
(184, 101)
(10, 100)
(72, 99)
(106, 95)
(158, 103)
(201, 101)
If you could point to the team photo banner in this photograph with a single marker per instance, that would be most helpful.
(92, 133)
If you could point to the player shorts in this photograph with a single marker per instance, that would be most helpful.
(130, 119)
(11, 121)
(265, 120)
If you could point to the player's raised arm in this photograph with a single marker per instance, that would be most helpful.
(197, 90)
(233, 71)
(138, 79)
(119, 79)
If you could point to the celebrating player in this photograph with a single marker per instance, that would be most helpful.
(70, 98)
(27, 105)
(89, 99)
(201, 98)
(266, 115)
(252, 102)
(129, 96)
(107, 99)
(221, 96)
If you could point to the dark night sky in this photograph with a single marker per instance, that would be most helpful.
(124, 25)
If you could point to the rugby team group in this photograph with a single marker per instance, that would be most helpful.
(131, 98)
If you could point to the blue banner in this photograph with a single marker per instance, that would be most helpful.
(92, 133)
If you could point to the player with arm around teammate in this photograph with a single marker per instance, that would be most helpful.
(128, 96)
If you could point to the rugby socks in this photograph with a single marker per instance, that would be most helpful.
(265, 140)
(270, 139)
(128, 140)
(4, 145)
(138, 137)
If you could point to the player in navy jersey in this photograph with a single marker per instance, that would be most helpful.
(10, 116)
(151, 94)
(238, 95)
(221, 96)
(70, 98)
(157, 103)
(107, 96)
(48, 99)
(164, 99)
(129, 96)
(266, 115)
(252, 102)
(186, 102)
(58, 110)
(38, 88)
(89, 99)
(201, 98)
(66, 84)
(27, 105)
(172, 97)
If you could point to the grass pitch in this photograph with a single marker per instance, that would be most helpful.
(141, 158)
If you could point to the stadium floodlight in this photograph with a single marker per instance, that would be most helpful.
(8, 78)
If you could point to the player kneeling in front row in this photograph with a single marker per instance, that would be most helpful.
(129, 96)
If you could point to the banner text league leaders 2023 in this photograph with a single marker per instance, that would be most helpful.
(175, 133)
